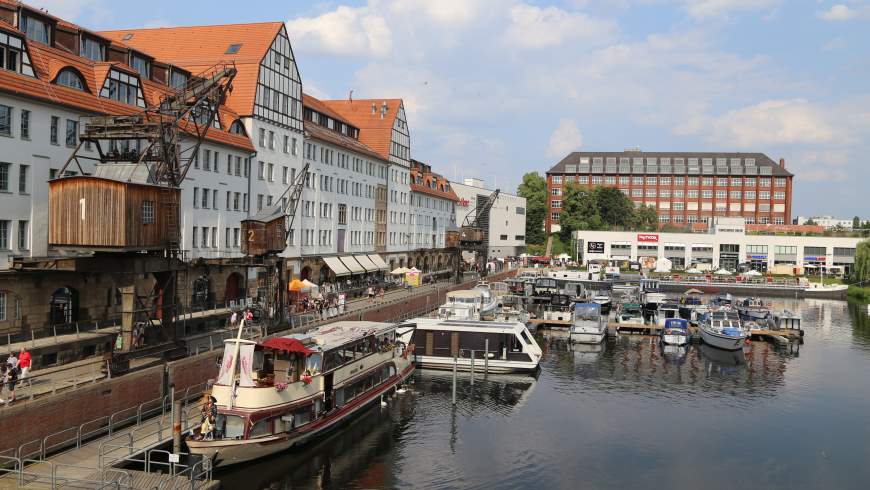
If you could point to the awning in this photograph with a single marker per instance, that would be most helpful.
(286, 344)
(366, 263)
(378, 261)
(337, 267)
(352, 265)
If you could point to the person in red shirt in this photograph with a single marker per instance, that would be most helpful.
(24, 363)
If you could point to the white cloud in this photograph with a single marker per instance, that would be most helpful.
(445, 11)
(712, 8)
(838, 12)
(774, 122)
(345, 31)
(71, 10)
(535, 27)
(565, 139)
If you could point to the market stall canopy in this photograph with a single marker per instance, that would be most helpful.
(352, 265)
(366, 263)
(296, 285)
(663, 265)
(751, 273)
(287, 345)
(694, 291)
(378, 261)
(563, 256)
(336, 266)
(400, 270)
(414, 269)
(722, 272)
(693, 270)
(310, 285)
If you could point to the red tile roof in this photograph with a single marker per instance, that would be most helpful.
(376, 132)
(321, 133)
(197, 48)
(48, 62)
(428, 177)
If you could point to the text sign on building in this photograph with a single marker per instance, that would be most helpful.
(463, 203)
(595, 247)
(647, 237)
(820, 258)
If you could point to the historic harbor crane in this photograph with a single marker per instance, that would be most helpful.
(474, 234)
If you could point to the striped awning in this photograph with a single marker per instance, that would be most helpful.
(352, 265)
(337, 267)
(366, 263)
(378, 261)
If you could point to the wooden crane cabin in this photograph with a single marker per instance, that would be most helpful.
(264, 233)
(101, 213)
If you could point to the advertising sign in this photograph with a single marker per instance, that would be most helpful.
(647, 237)
(595, 247)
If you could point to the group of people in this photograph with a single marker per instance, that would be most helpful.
(237, 316)
(375, 292)
(13, 371)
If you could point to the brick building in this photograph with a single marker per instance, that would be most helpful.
(684, 187)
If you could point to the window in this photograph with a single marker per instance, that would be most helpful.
(679, 206)
(204, 198)
(636, 192)
(2, 306)
(196, 197)
(707, 181)
(206, 159)
(204, 241)
(147, 212)
(23, 229)
(650, 193)
(259, 202)
(721, 194)
(262, 138)
(557, 179)
(5, 120)
(142, 65)
(756, 249)
(735, 194)
(815, 251)
(233, 49)
(92, 49)
(665, 193)
(707, 194)
(779, 182)
(789, 250)
(665, 181)
(4, 177)
(25, 125)
(637, 180)
(271, 140)
(779, 196)
(72, 133)
(286, 144)
(764, 195)
(692, 182)
(679, 181)
(651, 181)
(764, 182)
(271, 172)
(177, 79)
(736, 181)
(4, 234)
(554, 216)
(35, 29)
(295, 147)
(124, 88)
(261, 170)
(596, 180)
(844, 252)
(749, 195)
(555, 204)
(583, 179)
(679, 193)
(556, 191)
(23, 170)
(692, 193)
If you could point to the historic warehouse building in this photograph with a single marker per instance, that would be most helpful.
(684, 187)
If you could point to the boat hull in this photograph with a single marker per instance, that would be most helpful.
(226, 452)
(588, 337)
(720, 341)
(464, 364)
(675, 338)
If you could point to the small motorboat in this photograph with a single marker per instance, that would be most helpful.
(587, 324)
(667, 309)
(629, 313)
(604, 302)
(675, 332)
(753, 309)
(723, 329)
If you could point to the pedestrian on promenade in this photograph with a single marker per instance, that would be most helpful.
(3, 377)
(381, 294)
(12, 361)
(11, 377)
(234, 318)
(24, 363)
(371, 292)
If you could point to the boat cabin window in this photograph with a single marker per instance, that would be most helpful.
(230, 426)
(526, 338)
(261, 428)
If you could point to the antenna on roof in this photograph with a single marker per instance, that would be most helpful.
(350, 96)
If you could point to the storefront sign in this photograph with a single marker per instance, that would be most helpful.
(757, 257)
(820, 258)
(595, 247)
(464, 203)
(651, 237)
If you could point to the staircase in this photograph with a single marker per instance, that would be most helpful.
(169, 208)
(549, 246)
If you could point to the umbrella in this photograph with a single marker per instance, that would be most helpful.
(414, 269)
(751, 273)
(693, 270)
(522, 256)
(563, 256)
(694, 291)
(310, 285)
(722, 272)
(400, 270)
(296, 285)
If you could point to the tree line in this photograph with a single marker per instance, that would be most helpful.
(583, 208)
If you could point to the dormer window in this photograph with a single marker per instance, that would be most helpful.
(177, 79)
(13, 56)
(140, 64)
(70, 78)
(238, 128)
(36, 29)
(92, 49)
(123, 88)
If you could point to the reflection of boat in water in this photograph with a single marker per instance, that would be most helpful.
(495, 390)
(587, 353)
(675, 354)
(723, 358)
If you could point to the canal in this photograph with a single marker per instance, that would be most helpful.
(625, 415)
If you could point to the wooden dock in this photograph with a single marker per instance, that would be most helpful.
(547, 323)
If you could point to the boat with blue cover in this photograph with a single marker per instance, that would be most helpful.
(723, 329)
(675, 332)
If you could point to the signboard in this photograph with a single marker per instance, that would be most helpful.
(820, 258)
(175, 458)
(757, 257)
(595, 247)
(464, 203)
(647, 237)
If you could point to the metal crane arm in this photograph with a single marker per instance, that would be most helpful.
(472, 219)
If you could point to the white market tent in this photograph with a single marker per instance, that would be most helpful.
(722, 272)
(664, 265)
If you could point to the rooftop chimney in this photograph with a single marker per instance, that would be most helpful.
(374, 108)
(383, 109)
(782, 162)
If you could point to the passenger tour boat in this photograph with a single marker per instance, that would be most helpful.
(285, 391)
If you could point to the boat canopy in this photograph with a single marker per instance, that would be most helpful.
(286, 344)
(676, 323)
(630, 306)
(587, 311)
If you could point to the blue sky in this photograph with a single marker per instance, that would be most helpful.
(496, 88)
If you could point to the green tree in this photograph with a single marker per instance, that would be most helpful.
(861, 271)
(534, 189)
(856, 223)
(614, 207)
(579, 211)
(811, 222)
(646, 218)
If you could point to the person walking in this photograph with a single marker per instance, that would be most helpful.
(381, 294)
(11, 377)
(24, 363)
(371, 293)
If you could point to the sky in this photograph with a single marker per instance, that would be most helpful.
(497, 88)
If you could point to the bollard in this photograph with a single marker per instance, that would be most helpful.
(54, 331)
(77, 329)
(485, 357)
(32, 338)
(454, 378)
(472, 368)
(176, 420)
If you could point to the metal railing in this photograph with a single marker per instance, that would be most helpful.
(30, 336)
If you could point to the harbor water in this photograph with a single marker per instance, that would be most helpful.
(625, 414)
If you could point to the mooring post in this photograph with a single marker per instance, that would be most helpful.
(485, 357)
(472, 368)
(454, 378)
(176, 420)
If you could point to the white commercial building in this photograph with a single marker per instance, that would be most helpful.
(505, 223)
(725, 245)
(828, 222)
